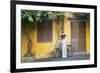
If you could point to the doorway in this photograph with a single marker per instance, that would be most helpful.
(78, 36)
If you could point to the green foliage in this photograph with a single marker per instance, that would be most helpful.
(60, 14)
(85, 16)
(50, 15)
(28, 16)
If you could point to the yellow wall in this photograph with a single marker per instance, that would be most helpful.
(87, 37)
(23, 45)
(67, 29)
(41, 50)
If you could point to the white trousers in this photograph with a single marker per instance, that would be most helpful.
(64, 51)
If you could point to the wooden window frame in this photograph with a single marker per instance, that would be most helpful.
(45, 31)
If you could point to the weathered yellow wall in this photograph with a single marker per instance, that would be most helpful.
(41, 50)
(67, 29)
(87, 37)
(23, 45)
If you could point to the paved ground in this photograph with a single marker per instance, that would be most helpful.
(79, 57)
(74, 57)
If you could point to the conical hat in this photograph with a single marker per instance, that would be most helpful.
(63, 34)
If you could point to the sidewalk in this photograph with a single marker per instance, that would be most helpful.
(70, 58)
(74, 57)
